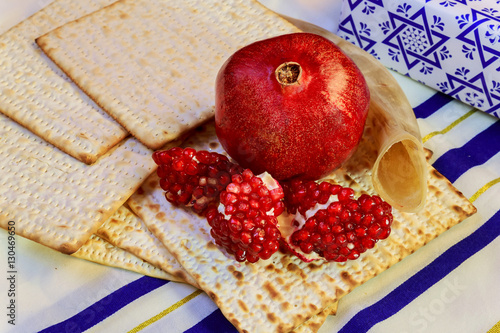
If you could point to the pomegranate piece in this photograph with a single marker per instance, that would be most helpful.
(245, 223)
(331, 225)
(294, 106)
(193, 178)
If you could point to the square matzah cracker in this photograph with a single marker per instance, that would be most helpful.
(152, 64)
(57, 200)
(102, 252)
(123, 240)
(37, 94)
(279, 294)
(128, 232)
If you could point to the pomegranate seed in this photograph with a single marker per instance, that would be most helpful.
(345, 194)
(252, 258)
(335, 208)
(327, 238)
(306, 247)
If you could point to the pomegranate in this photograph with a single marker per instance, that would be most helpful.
(252, 216)
(293, 105)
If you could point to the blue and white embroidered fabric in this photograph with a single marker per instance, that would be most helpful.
(450, 45)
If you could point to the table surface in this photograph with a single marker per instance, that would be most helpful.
(450, 285)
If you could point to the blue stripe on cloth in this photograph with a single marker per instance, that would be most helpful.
(215, 322)
(431, 105)
(456, 162)
(425, 278)
(107, 306)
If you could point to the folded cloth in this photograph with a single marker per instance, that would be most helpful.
(448, 285)
(451, 46)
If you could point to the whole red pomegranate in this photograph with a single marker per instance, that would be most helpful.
(293, 105)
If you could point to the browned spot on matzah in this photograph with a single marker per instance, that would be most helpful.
(288, 287)
(314, 267)
(103, 233)
(269, 267)
(161, 216)
(329, 278)
(286, 306)
(436, 174)
(238, 275)
(291, 267)
(315, 326)
(346, 277)
(436, 191)
(70, 248)
(211, 246)
(154, 207)
(273, 269)
(181, 275)
(272, 317)
(458, 209)
(273, 292)
(236, 323)
(213, 296)
(242, 305)
(213, 145)
(339, 293)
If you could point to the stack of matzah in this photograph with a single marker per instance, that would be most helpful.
(76, 140)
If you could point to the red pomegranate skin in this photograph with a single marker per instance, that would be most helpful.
(301, 130)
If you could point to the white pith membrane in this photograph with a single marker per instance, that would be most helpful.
(289, 223)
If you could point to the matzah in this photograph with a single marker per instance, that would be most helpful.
(126, 231)
(313, 324)
(56, 200)
(124, 242)
(37, 94)
(102, 252)
(281, 293)
(151, 64)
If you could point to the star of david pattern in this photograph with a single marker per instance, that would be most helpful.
(450, 45)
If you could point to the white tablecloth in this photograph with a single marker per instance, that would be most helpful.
(450, 285)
